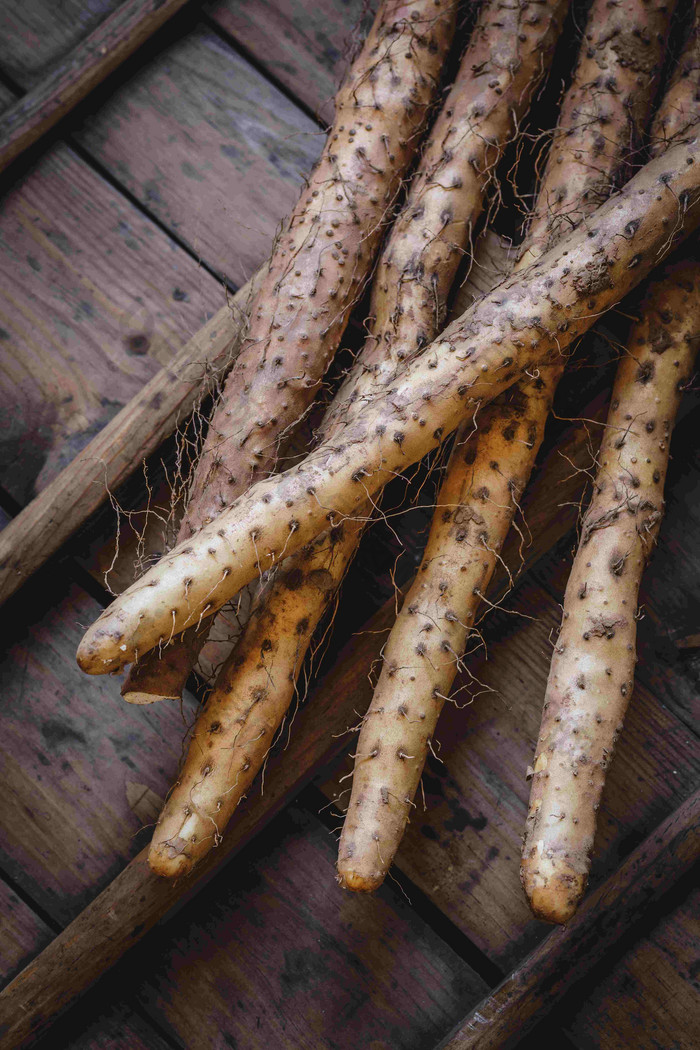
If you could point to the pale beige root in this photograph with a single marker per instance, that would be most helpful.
(592, 672)
(554, 874)
(602, 118)
(474, 511)
(237, 726)
(319, 265)
(509, 52)
(529, 320)
(678, 112)
(485, 478)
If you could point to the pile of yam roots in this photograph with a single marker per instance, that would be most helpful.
(398, 206)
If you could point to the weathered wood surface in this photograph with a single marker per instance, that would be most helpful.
(24, 934)
(566, 955)
(36, 34)
(209, 147)
(94, 300)
(71, 754)
(297, 962)
(651, 998)
(76, 75)
(307, 48)
(117, 448)
(54, 825)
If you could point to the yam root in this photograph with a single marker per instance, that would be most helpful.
(592, 671)
(319, 265)
(252, 695)
(529, 320)
(603, 115)
(479, 114)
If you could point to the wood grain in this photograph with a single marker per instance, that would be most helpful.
(307, 48)
(208, 146)
(503, 1017)
(651, 998)
(275, 954)
(135, 899)
(76, 75)
(94, 300)
(117, 448)
(24, 934)
(75, 760)
(38, 33)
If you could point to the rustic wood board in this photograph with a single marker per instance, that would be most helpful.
(24, 933)
(94, 300)
(276, 954)
(81, 767)
(651, 998)
(304, 47)
(36, 33)
(209, 147)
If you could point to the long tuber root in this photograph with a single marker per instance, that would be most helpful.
(510, 51)
(529, 320)
(235, 731)
(602, 117)
(592, 672)
(319, 265)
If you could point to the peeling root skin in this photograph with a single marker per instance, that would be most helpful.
(358, 883)
(169, 860)
(133, 697)
(553, 888)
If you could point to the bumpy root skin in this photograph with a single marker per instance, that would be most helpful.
(528, 321)
(475, 508)
(603, 114)
(511, 56)
(236, 728)
(320, 262)
(592, 672)
(557, 846)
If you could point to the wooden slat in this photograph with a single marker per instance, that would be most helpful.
(93, 300)
(210, 147)
(24, 934)
(275, 954)
(651, 998)
(123, 442)
(76, 75)
(36, 34)
(76, 761)
(568, 953)
(305, 47)
(135, 900)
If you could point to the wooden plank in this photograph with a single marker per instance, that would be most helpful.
(276, 954)
(77, 761)
(463, 849)
(37, 33)
(501, 1020)
(94, 299)
(135, 900)
(24, 934)
(651, 999)
(210, 147)
(307, 48)
(111, 1027)
(76, 75)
